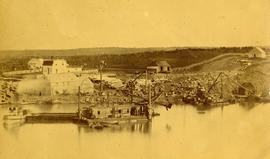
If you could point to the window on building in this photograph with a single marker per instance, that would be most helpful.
(120, 111)
(98, 112)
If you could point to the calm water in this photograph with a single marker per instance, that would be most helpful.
(182, 132)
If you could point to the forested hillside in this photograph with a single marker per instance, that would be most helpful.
(177, 57)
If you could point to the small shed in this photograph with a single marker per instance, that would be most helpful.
(159, 67)
(257, 52)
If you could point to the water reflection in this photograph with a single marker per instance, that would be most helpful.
(202, 109)
(13, 128)
(143, 127)
(248, 105)
(168, 127)
(180, 132)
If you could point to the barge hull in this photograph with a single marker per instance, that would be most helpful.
(73, 118)
(50, 117)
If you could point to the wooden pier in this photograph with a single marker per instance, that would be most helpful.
(51, 117)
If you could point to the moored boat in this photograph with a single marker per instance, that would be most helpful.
(16, 115)
(101, 116)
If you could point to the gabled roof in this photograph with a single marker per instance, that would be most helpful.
(160, 63)
(259, 50)
(47, 62)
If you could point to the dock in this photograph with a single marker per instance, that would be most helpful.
(51, 117)
(73, 118)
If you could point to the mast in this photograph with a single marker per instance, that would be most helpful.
(149, 106)
(149, 96)
(221, 87)
(214, 83)
(148, 86)
(100, 77)
(146, 80)
(79, 109)
(131, 92)
(102, 64)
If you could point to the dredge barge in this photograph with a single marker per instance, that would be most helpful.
(95, 116)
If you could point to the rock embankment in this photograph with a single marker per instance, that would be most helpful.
(7, 92)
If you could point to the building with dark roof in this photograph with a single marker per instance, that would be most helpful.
(56, 66)
(159, 67)
(47, 62)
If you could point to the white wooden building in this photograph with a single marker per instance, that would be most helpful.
(35, 64)
(56, 66)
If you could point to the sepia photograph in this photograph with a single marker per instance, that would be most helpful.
(135, 79)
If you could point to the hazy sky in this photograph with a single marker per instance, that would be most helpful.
(53, 24)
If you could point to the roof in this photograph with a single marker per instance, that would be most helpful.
(152, 67)
(35, 60)
(260, 49)
(48, 63)
(160, 63)
(257, 50)
(74, 66)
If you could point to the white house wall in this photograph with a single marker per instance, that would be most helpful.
(68, 83)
